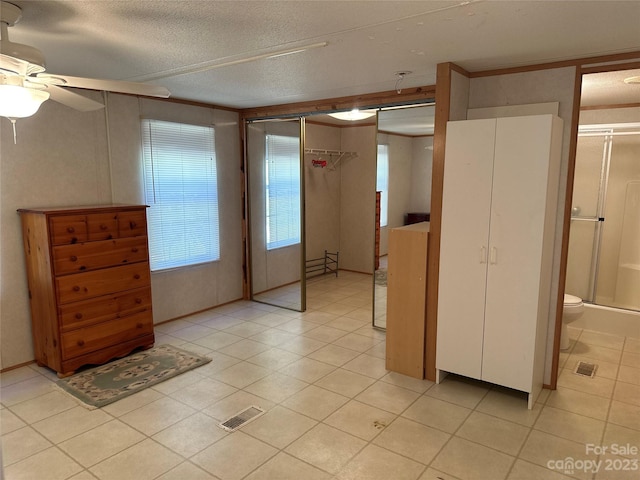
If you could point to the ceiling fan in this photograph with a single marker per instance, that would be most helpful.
(24, 85)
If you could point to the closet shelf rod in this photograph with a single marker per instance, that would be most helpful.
(331, 153)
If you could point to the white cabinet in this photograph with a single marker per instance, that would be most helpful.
(499, 210)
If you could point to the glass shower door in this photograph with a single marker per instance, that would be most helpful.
(603, 266)
(587, 213)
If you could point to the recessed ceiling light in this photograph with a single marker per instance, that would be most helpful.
(630, 80)
(353, 115)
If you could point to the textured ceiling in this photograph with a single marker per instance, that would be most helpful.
(367, 42)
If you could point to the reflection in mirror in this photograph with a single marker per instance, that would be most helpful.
(276, 219)
(403, 184)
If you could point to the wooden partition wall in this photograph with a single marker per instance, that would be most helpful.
(444, 94)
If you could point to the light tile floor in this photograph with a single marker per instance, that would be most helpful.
(332, 410)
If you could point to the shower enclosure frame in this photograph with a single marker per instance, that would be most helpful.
(608, 131)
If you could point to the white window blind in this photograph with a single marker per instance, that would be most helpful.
(382, 182)
(282, 175)
(180, 184)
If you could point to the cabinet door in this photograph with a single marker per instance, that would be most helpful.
(466, 204)
(520, 178)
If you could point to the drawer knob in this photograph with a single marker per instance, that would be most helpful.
(133, 224)
(76, 288)
(139, 325)
(71, 229)
(81, 343)
(138, 301)
(134, 250)
(136, 276)
(74, 258)
(78, 316)
(103, 227)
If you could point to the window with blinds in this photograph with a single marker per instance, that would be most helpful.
(181, 189)
(282, 175)
(382, 182)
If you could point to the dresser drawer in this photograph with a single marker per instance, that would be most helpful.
(100, 309)
(68, 229)
(102, 226)
(105, 334)
(81, 286)
(132, 223)
(83, 257)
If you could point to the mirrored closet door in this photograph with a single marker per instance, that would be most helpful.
(403, 184)
(276, 212)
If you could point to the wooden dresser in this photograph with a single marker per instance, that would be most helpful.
(89, 283)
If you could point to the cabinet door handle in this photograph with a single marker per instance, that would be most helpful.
(493, 258)
(483, 254)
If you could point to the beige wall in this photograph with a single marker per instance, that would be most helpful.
(68, 158)
(421, 166)
(410, 164)
(459, 100)
(400, 151)
(322, 191)
(357, 194)
(340, 203)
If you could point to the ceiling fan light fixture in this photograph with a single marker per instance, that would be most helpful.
(19, 102)
(353, 115)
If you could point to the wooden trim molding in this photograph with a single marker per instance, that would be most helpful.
(610, 107)
(564, 249)
(20, 365)
(443, 103)
(578, 62)
(351, 125)
(246, 271)
(610, 67)
(368, 100)
(193, 103)
(406, 135)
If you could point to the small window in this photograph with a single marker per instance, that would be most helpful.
(282, 174)
(382, 182)
(180, 185)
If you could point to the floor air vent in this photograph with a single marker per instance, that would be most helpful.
(241, 418)
(585, 369)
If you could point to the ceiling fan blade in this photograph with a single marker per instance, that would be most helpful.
(117, 86)
(73, 100)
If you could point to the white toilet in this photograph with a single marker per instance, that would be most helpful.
(571, 311)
